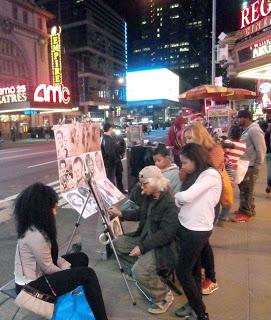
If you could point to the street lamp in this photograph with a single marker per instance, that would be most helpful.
(121, 80)
(213, 41)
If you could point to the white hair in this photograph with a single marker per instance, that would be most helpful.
(161, 184)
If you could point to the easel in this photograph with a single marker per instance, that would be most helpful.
(107, 228)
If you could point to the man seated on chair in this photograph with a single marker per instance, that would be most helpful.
(148, 253)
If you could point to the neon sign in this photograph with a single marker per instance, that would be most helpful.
(52, 94)
(56, 55)
(261, 49)
(13, 94)
(256, 11)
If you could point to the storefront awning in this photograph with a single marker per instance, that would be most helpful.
(262, 72)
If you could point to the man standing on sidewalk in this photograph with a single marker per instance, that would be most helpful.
(109, 152)
(253, 136)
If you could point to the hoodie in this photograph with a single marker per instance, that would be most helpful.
(172, 174)
(253, 137)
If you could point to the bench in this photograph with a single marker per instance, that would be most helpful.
(9, 290)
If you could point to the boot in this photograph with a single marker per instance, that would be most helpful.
(204, 317)
(193, 316)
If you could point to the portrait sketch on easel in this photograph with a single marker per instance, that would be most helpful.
(78, 149)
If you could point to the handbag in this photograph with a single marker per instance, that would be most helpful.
(40, 303)
(241, 170)
(35, 301)
(226, 199)
(73, 306)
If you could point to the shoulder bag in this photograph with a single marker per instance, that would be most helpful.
(226, 199)
(35, 301)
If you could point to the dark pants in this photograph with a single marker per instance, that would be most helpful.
(119, 170)
(191, 244)
(79, 275)
(111, 174)
(208, 262)
(246, 188)
(207, 255)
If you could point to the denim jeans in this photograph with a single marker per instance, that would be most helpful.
(246, 188)
(268, 163)
(224, 214)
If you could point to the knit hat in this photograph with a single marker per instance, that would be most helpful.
(155, 177)
(195, 116)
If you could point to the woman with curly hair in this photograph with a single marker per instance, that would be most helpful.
(37, 260)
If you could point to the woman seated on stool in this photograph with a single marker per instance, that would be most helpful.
(37, 251)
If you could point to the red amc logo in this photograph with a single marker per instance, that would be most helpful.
(53, 94)
(256, 11)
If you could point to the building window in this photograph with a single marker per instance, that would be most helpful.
(25, 17)
(176, 16)
(15, 12)
(175, 5)
(40, 23)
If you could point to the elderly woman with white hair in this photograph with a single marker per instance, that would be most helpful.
(148, 253)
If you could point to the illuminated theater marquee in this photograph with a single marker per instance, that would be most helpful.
(13, 94)
(52, 94)
(261, 49)
(56, 55)
(256, 17)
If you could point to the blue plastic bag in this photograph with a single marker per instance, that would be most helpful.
(73, 306)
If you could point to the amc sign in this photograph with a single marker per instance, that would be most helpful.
(52, 94)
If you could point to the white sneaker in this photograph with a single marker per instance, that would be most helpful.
(162, 307)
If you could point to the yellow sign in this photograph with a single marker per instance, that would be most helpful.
(56, 55)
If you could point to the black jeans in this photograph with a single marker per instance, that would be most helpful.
(208, 262)
(67, 280)
(119, 170)
(111, 174)
(188, 270)
(207, 255)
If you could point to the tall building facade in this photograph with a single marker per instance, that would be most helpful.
(24, 64)
(95, 38)
(175, 34)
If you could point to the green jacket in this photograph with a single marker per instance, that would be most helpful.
(163, 226)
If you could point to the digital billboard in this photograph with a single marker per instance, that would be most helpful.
(155, 84)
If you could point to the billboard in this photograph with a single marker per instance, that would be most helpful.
(153, 84)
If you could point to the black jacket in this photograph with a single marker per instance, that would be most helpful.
(268, 142)
(163, 227)
(109, 151)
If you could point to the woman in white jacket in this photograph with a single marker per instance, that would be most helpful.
(200, 192)
(37, 262)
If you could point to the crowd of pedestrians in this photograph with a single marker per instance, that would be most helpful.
(177, 201)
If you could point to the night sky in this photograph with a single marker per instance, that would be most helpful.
(228, 12)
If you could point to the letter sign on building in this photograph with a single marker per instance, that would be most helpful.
(256, 17)
(56, 55)
(52, 94)
(13, 94)
(256, 11)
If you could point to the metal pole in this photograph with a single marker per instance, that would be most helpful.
(213, 41)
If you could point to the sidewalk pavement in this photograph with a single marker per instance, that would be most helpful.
(28, 141)
(242, 255)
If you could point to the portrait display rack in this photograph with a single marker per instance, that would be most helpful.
(108, 233)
